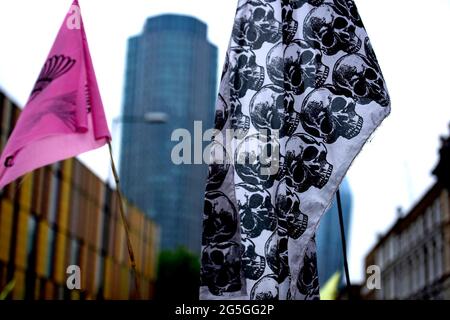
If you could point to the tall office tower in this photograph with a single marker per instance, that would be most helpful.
(171, 68)
(329, 246)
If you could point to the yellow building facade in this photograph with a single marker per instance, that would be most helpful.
(63, 215)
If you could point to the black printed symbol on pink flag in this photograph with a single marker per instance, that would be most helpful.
(9, 162)
(54, 68)
(63, 107)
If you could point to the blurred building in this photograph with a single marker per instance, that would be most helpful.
(328, 238)
(171, 68)
(64, 215)
(414, 255)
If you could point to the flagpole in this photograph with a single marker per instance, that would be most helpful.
(125, 222)
(344, 243)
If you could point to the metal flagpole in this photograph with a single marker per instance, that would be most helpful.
(344, 244)
(125, 222)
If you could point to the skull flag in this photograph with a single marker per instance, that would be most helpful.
(300, 94)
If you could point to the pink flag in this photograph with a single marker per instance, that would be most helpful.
(64, 115)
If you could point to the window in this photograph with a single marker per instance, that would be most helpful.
(421, 268)
(437, 212)
(379, 257)
(54, 197)
(31, 241)
(414, 273)
(428, 219)
(50, 251)
(74, 251)
(438, 253)
(431, 257)
(420, 229)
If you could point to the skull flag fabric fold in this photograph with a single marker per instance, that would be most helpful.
(64, 115)
(301, 92)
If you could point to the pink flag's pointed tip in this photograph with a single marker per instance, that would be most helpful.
(75, 2)
(64, 116)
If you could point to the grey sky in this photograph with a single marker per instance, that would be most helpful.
(410, 38)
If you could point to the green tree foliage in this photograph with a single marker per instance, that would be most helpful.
(178, 275)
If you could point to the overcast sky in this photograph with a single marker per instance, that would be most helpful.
(411, 40)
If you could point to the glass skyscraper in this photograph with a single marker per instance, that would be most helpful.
(329, 246)
(171, 68)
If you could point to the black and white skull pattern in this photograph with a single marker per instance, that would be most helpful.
(257, 160)
(220, 218)
(219, 164)
(348, 9)
(276, 251)
(291, 221)
(253, 264)
(328, 115)
(325, 28)
(290, 25)
(225, 68)
(308, 278)
(305, 163)
(222, 112)
(272, 108)
(266, 289)
(255, 24)
(360, 77)
(239, 122)
(296, 4)
(302, 90)
(221, 267)
(296, 66)
(256, 211)
(245, 73)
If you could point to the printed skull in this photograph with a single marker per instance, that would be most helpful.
(296, 4)
(221, 116)
(276, 250)
(358, 77)
(257, 212)
(291, 221)
(290, 25)
(218, 166)
(348, 9)
(221, 267)
(253, 264)
(330, 31)
(308, 278)
(257, 160)
(329, 116)
(305, 163)
(220, 218)
(239, 122)
(272, 108)
(297, 67)
(245, 74)
(255, 24)
(265, 289)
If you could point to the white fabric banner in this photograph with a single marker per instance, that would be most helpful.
(301, 92)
